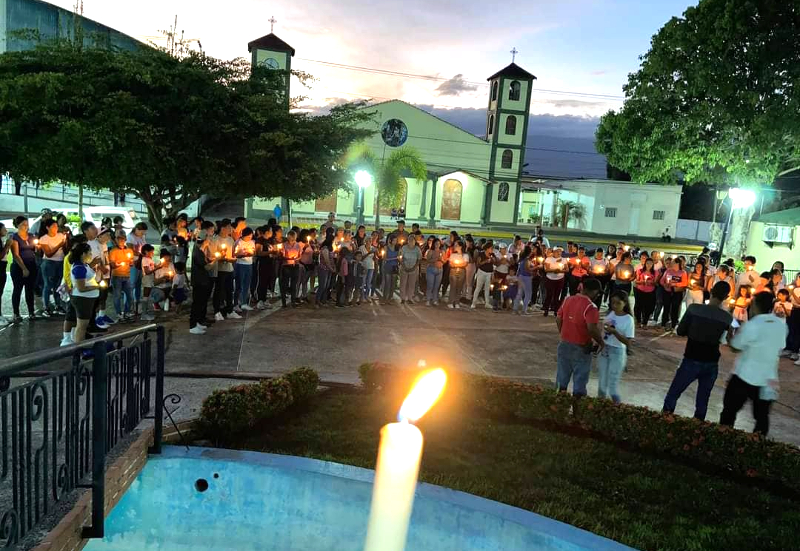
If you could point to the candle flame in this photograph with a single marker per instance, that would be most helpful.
(425, 392)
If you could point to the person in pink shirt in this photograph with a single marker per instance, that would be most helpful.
(644, 292)
(674, 281)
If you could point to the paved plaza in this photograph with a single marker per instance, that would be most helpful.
(335, 341)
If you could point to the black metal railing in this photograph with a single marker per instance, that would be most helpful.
(56, 428)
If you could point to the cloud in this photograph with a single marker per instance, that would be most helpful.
(599, 73)
(455, 86)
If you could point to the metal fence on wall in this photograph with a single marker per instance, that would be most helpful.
(57, 426)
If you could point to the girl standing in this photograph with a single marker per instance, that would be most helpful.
(619, 332)
(697, 283)
(326, 270)
(434, 257)
(624, 273)
(53, 246)
(458, 274)
(85, 288)
(741, 304)
(674, 281)
(23, 270)
(526, 269)
(645, 292)
(136, 240)
(390, 270)
(245, 250)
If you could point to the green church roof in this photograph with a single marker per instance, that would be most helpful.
(788, 217)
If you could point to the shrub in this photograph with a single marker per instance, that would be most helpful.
(228, 413)
(304, 381)
(699, 442)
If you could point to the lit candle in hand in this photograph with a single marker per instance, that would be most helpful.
(35, 242)
(397, 470)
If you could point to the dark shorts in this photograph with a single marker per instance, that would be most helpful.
(71, 316)
(83, 307)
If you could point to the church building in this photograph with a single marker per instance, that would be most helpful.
(472, 181)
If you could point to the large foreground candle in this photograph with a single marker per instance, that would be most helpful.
(396, 473)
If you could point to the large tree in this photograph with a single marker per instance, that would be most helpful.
(716, 99)
(166, 130)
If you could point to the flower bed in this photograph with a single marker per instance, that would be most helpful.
(699, 442)
(228, 413)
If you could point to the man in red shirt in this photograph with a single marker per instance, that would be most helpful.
(578, 322)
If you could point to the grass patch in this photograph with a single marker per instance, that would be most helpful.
(641, 501)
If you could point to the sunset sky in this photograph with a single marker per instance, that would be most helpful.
(577, 46)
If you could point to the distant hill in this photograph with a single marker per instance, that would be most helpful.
(568, 157)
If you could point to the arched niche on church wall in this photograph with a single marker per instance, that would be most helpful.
(452, 191)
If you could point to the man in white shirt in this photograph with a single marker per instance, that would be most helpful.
(755, 376)
(749, 277)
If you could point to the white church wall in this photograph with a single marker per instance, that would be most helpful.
(503, 211)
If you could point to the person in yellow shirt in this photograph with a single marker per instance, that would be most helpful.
(120, 258)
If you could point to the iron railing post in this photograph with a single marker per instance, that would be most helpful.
(158, 414)
(99, 428)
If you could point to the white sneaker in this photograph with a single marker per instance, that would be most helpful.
(235, 316)
(66, 341)
(246, 307)
(488, 306)
(458, 307)
(451, 306)
(786, 354)
(201, 326)
(237, 309)
(219, 317)
(147, 317)
(197, 330)
(474, 306)
(3, 321)
(166, 306)
(797, 362)
(261, 305)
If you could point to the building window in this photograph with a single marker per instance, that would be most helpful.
(611, 212)
(658, 215)
(491, 125)
(502, 192)
(508, 159)
(511, 125)
(513, 91)
(494, 91)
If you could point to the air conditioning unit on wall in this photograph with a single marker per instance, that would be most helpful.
(777, 234)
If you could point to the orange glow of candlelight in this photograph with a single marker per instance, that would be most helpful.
(103, 283)
(36, 242)
(217, 255)
(130, 255)
(427, 389)
(170, 273)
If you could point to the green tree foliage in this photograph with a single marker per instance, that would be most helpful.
(716, 100)
(391, 173)
(166, 130)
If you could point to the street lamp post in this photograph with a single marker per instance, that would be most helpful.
(740, 199)
(363, 180)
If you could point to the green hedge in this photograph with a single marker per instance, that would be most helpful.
(229, 413)
(705, 443)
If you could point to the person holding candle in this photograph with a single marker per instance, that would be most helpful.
(555, 268)
(435, 259)
(486, 262)
(326, 269)
(458, 274)
(148, 280)
(244, 252)
(290, 270)
(472, 252)
(223, 289)
(100, 251)
(674, 281)
(742, 304)
(203, 267)
(164, 274)
(697, 283)
(624, 274)
(749, 277)
(263, 267)
(579, 270)
(120, 258)
(526, 268)
(85, 289)
(619, 333)
(598, 269)
(23, 268)
(137, 240)
(644, 292)
(53, 246)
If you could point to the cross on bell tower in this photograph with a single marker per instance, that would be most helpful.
(272, 22)
(514, 53)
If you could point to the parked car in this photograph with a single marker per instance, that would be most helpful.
(90, 214)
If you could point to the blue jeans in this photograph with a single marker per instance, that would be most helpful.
(705, 373)
(524, 293)
(323, 280)
(574, 362)
(122, 285)
(52, 272)
(433, 279)
(136, 283)
(242, 274)
(610, 365)
(368, 282)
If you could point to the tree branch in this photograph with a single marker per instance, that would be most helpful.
(788, 171)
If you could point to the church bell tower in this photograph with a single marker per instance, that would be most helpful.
(507, 132)
(273, 53)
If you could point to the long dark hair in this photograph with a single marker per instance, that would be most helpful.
(77, 252)
(623, 296)
(328, 241)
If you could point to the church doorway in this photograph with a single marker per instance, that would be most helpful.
(451, 200)
(326, 204)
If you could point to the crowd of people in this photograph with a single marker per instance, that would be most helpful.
(232, 268)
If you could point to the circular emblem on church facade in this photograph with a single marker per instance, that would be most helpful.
(394, 132)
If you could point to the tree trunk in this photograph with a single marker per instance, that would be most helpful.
(377, 207)
(80, 202)
(736, 242)
(17, 186)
